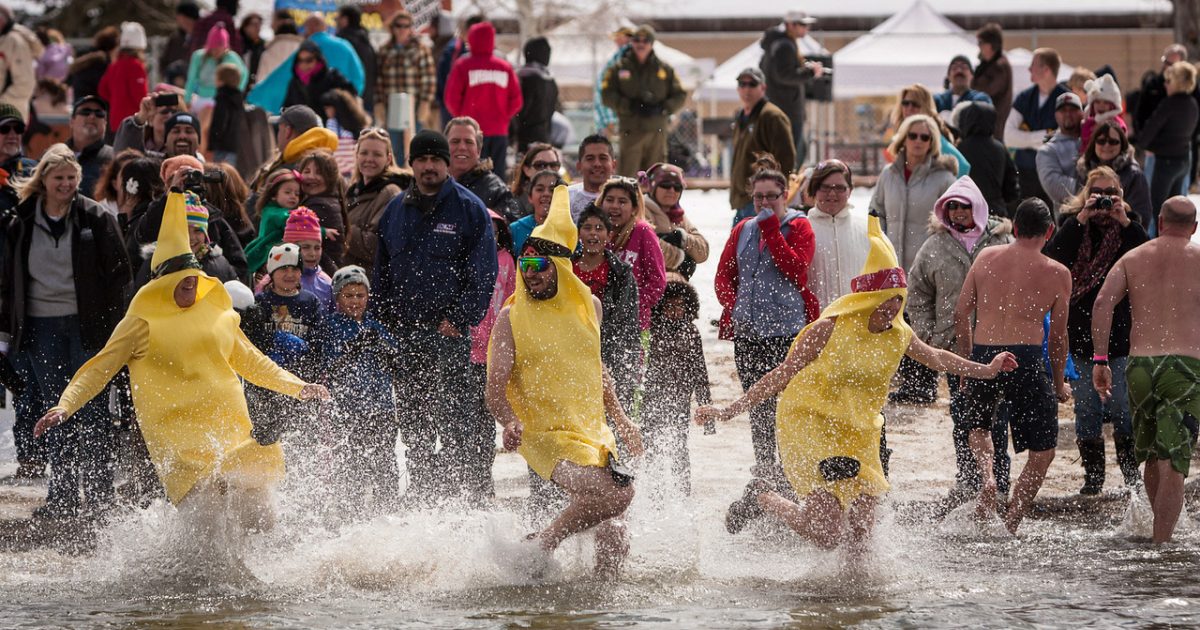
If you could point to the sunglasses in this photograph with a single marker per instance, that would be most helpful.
(955, 204)
(923, 137)
(546, 166)
(747, 84)
(671, 186)
(376, 132)
(536, 264)
(98, 113)
(623, 180)
(1107, 192)
(1101, 141)
(908, 103)
(401, 27)
(641, 40)
(306, 59)
(7, 129)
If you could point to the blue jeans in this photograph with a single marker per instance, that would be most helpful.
(1168, 179)
(81, 450)
(1090, 411)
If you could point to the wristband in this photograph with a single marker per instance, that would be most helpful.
(1100, 359)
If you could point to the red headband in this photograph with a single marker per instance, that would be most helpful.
(883, 279)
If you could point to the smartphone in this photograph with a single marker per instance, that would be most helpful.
(166, 100)
(838, 468)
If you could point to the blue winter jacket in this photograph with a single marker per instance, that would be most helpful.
(435, 266)
(357, 359)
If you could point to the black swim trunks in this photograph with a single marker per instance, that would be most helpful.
(1029, 390)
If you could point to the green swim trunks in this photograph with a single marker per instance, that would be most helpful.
(1164, 396)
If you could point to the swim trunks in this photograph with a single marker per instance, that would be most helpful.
(1164, 393)
(1033, 409)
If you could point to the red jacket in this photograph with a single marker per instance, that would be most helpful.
(124, 86)
(482, 85)
(791, 254)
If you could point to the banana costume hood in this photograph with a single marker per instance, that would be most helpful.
(831, 408)
(557, 387)
(184, 365)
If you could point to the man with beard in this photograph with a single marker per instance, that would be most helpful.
(958, 87)
(596, 164)
(1056, 159)
(88, 118)
(433, 279)
(13, 163)
(144, 130)
(182, 134)
(549, 389)
(466, 146)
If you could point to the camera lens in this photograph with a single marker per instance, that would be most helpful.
(1104, 203)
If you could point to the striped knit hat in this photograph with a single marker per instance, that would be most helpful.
(197, 213)
(302, 225)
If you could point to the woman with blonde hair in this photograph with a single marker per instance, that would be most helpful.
(1168, 134)
(1096, 230)
(61, 294)
(908, 187)
(917, 99)
(377, 179)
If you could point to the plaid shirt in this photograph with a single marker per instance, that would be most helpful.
(406, 69)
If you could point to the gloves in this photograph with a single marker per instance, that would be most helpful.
(674, 237)
(286, 348)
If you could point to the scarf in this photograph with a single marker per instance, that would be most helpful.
(306, 77)
(1095, 259)
(675, 214)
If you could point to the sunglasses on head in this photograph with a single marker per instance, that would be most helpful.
(955, 204)
(1103, 140)
(536, 264)
(747, 84)
(923, 137)
(546, 166)
(12, 128)
(671, 186)
(98, 113)
(382, 134)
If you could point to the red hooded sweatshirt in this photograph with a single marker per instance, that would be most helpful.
(482, 85)
(123, 85)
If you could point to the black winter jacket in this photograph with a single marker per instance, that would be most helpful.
(100, 263)
(325, 80)
(540, 93)
(492, 191)
(992, 168)
(143, 229)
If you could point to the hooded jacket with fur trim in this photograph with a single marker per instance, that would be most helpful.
(904, 204)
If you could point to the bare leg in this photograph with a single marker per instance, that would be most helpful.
(612, 545)
(981, 446)
(594, 497)
(1027, 487)
(1168, 499)
(1151, 478)
(818, 519)
(861, 523)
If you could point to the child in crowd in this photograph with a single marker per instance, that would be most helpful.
(506, 282)
(225, 122)
(1102, 105)
(304, 229)
(209, 254)
(325, 193)
(358, 358)
(345, 117)
(675, 370)
(290, 318)
(281, 195)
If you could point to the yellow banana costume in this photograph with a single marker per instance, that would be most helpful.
(556, 388)
(831, 408)
(184, 365)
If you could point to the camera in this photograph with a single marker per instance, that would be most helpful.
(196, 181)
(1104, 203)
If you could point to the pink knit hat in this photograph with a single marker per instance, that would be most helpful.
(218, 38)
(302, 225)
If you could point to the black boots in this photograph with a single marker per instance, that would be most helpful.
(746, 509)
(1091, 452)
(1126, 460)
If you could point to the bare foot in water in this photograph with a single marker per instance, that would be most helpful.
(987, 501)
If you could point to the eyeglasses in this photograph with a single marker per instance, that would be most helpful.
(910, 104)
(15, 128)
(546, 166)
(837, 189)
(955, 204)
(677, 187)
(1107, 192)
(536, 264)
(98, 113)
(923, 137)
(748, 84)
(767, 197)
(1103, 140)
(641, 40)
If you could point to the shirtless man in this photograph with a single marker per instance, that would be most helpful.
(1009, 289)
(1164, 354)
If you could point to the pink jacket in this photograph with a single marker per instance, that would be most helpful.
(645, 256)
(506, 283)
